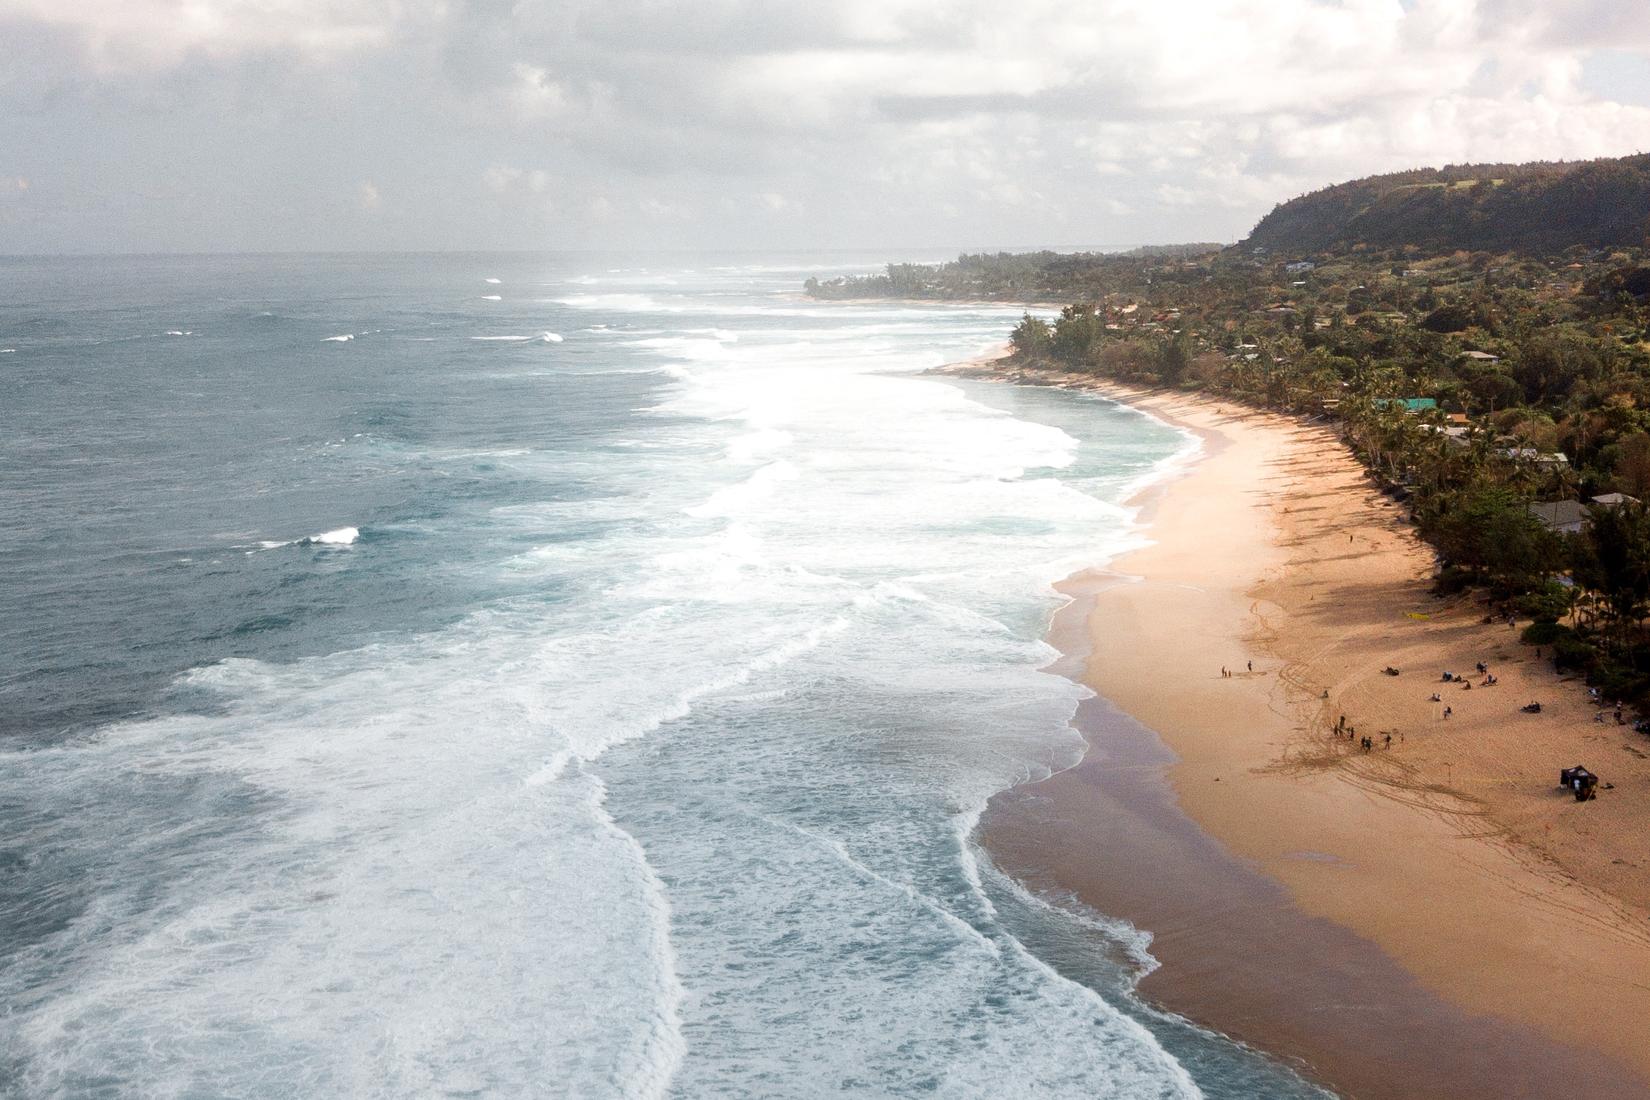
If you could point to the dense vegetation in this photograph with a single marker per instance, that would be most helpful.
(1007, 276)
(1474, 384)
(1535, 208)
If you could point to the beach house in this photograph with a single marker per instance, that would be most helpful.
(1564, 516)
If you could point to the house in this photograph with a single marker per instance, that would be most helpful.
(1480, 357)
(1455, 433)
(1458, 418)
(1564, 516)
(1410, 404)
(1614, 500)
(1530, 454)
(1299, 267)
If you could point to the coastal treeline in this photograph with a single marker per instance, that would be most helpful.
(1504, 399)
(1007, 276)
(1504, 396)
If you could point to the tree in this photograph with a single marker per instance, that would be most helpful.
(1174, 355)
(1612, 559)
(1633, 466)
(1490, 530)
(1076, 333)
(1552, 364)
(1032, 338)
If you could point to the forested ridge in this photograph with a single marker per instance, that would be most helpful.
(1530, 208)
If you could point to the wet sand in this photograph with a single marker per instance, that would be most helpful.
(1385, 928)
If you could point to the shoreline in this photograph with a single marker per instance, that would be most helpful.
(1388, 930)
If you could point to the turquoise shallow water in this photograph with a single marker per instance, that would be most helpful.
(541, 675)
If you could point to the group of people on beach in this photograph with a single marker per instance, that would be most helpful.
(1226, 673)
(1366, 743)
(1598, 701)
(1489, 680)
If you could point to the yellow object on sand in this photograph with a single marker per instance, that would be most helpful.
(1418, 614)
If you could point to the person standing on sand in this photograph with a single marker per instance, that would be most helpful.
(1251, 666)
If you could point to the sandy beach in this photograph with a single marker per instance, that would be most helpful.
(1432, 917)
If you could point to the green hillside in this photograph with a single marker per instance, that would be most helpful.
(1540, 208)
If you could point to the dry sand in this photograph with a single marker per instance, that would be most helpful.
(1449, 921)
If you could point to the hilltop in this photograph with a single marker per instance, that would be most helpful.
(1539, 208)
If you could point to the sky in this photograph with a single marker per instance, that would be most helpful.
(259, 125)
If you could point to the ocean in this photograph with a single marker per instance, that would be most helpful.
(543, 675)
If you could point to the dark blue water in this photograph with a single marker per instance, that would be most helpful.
(141, 466)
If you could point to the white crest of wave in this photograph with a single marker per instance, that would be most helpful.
(492, 281)
(753, 445)
(541, 338)
(492, 297)
(344, 339)
(340, 536)
(736, 498)
(618, 303)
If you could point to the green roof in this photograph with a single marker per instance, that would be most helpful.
(1412, 404)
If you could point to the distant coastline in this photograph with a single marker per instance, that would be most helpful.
(1468, 922)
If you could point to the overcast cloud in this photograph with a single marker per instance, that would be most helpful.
(161, 125)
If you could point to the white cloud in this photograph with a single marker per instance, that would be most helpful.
(499, 178)
(125, 33)
(534, 94)
(909, 121)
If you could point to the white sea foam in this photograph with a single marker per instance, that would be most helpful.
(754, 445)
(494, 282)
(492, 298)
(344, 339)
(541, 338)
